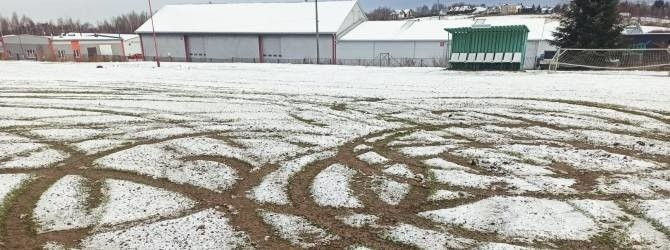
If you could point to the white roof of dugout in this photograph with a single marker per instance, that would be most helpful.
(251, 18)
(541, 28)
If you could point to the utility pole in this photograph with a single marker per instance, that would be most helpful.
(153, 29)
(439, 11)
(316, 14)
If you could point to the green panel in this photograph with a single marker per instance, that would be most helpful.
(495, 39)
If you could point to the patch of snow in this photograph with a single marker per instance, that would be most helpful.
(400, 170)
(64, 206)
(128, 201)
(297, 230)
(426, 150)
(517, 218)
(211, 175)
(425, 239)
(389, 191)
(656, 210)
(443, 164)
(361, 147)
(37, 159)
(592, 160)
(373, 158)
(274, 186)
(446, 195)
(68, 135)
(208, 229)
(96, 146)
(10, 183)
(358, 220)
(332, 187)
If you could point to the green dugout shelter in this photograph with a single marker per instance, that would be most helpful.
(485, 47)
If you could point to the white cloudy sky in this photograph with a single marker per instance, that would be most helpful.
(96, 10)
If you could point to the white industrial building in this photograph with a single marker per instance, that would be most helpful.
(285, 33)
(424, 42)
(251, 32)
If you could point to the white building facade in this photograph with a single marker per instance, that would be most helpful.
(249, 32)
(424, 42)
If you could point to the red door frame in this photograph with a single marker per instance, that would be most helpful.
(261, 58)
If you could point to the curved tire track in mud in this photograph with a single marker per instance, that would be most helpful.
(243, 212)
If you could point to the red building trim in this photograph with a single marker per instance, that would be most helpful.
(334, 60)
(52, 51)
(142, 47)
(186, 49)
(123, 50)
(261, 58)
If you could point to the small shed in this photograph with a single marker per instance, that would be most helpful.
(485, 47)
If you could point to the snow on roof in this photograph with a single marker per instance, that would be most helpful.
(250, 18)
(541, 28)
(91, 36)
(647, 29)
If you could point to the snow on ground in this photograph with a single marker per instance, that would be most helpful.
(657, 211)
(358, 220)
(99, 145)
(298, 230)
(273, 188)
(441, 195)
(518, 217)
(127, 201)
(426, 239)
(426, 150)
(390, 191)
(36, 159)
(373, 158)
(332, 187)
(64, 206)
(586, 153)
(443, 164)
(67, 135)
(593, 160)
(401, 170)
(10, 183)
(208, 229)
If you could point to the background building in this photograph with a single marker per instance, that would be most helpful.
(27, 47)
(424, 42)
(251, 32)
(89, 47)
(80, 47)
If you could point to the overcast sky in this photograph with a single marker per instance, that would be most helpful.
(97, 10)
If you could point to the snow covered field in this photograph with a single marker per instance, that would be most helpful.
(244, 156)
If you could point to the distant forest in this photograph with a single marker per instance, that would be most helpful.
(124, 24)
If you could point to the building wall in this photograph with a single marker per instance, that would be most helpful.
(104, 51)
(170, 47)
(26, 47)
(222, 47)
(133, 46)
(296, 47)
(400, 53)
(239, 48)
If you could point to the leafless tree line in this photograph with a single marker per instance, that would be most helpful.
(124, 24)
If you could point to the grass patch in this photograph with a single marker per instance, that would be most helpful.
(339, 106)
(612, 240)
(371, 99)
(13, 195)
(308, 121)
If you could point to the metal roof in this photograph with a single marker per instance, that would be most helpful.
(504, 28)
(251, 18)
